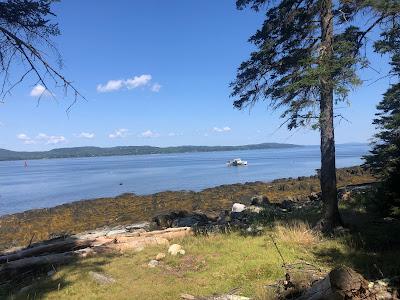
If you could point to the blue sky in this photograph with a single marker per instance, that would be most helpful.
(157, 73)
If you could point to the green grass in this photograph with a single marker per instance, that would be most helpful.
(213, 264)
(220, 263)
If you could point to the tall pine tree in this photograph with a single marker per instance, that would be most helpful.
(304, 63)
(384, 159)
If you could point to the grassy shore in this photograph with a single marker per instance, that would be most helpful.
(35, 225)
(220, 263)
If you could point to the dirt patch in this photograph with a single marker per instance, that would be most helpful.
(187, 263)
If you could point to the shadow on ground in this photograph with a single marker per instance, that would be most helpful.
(372, 247)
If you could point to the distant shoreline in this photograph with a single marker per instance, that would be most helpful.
(78, 152)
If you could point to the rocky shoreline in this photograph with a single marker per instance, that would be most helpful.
(22, 229)
(18, 263)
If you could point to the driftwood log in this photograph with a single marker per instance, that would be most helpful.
(57, 246)
(14, 265)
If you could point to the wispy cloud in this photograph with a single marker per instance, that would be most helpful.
(111, 85)
(86, 135)
(51, 139)
(130, 83)
(223, 129)
(119, 133)
(25, 139)
(149, 134)
(39, 91)
(41, 138)
(156, 87)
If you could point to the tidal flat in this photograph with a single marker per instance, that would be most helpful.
(21, 229)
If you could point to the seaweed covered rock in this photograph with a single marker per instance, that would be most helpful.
(184, 219)
(260, 200)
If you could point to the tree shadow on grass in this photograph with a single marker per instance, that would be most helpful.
(372, 246)
(38, 285)
(32, 272)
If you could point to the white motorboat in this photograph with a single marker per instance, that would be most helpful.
(236, 162)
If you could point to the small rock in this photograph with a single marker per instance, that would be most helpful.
(176, 249)
(238, 207)
(382, 282)
(188, 297)
(51, 273)
(153, 263)
(255, 209)
(370, 285)
(260, 200)
(101, 278)
(259, 228)
(160, 256)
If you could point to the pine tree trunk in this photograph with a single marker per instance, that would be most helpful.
(331, 217)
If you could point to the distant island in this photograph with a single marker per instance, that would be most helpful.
(128, 150)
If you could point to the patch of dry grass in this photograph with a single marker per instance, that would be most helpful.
(296, 232)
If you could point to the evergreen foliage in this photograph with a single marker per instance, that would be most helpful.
(307, 56)
(384, 159)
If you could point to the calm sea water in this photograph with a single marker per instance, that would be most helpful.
(46, 183)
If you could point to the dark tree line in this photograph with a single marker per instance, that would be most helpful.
(307, 58)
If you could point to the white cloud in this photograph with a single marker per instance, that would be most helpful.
(156, 87)
(50, 139)
(130, 83)
(25, 139)
(111, 85)
(223, 129)
(86, 135)
(149, 134)
(137, 81)
(119, 133)
(41, 138)
(39, 91)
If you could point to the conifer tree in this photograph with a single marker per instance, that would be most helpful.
(304, 64)
(384, 159)
(26, 31)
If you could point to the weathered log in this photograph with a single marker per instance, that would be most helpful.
(76, 242)
(58, 246)
(58, 252)
(14, 269)
(138, 243)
